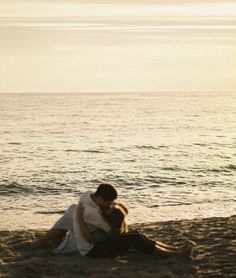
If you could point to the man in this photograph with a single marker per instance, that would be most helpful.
(93, 203)
(67, 226)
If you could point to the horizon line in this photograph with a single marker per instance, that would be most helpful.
(115, 92)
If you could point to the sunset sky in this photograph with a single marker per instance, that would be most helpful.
(116, 46)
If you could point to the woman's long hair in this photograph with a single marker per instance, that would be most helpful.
(117, 219)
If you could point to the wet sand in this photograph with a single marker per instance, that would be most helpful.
(213, 256)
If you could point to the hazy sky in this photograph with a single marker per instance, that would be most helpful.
(77, 46)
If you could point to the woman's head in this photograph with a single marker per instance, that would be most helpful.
(116, 217)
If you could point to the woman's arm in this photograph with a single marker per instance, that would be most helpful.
(83, 227)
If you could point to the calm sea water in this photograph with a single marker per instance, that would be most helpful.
(172, 155)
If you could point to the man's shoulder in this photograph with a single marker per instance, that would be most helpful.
(87, 201)
(86, 196)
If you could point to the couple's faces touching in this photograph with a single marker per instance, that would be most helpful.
(104, 205)
(108, 207)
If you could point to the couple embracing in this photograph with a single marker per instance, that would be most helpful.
(97, 227)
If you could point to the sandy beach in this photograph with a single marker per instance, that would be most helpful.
(213, 256)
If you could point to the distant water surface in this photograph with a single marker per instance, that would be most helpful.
(118, 46)
(172, 155)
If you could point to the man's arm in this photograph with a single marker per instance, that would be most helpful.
(83, 227)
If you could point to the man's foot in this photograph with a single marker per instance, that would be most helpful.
(40, 243)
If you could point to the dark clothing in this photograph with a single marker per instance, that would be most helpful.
(99, 235)
(120, 244)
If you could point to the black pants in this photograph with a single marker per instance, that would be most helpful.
(120, 244)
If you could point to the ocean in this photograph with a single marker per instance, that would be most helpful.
(171, 155)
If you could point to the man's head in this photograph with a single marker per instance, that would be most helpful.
(105, 195)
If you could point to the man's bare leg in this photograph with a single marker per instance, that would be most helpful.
(51, 235)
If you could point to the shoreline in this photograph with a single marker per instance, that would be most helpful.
(35, 220)
(213, 256)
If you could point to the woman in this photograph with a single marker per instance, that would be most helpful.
(120, 240)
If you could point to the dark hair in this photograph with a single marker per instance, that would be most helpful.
(106, 191)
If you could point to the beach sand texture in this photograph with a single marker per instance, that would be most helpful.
(213, 256)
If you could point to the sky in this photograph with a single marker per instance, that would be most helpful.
(117, 46)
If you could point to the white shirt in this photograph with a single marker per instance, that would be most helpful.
(94, 220)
